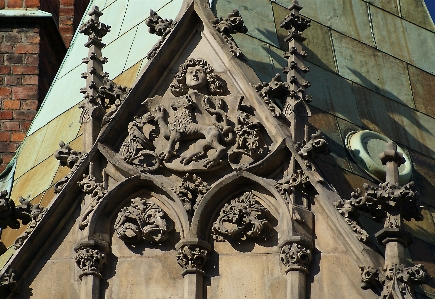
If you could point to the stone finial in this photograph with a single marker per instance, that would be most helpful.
(392, 159)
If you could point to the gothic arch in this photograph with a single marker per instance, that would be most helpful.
(99, 223)
(230, 184)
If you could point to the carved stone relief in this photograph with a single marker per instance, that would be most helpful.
(10, 213)
(241, 218)
(394, 278)
(8, 280)
(199, 129)
(143, 220)
(289, 183)
(160, 27)
(295, 256)
(36, 215)
(192, 258)
(191, 190)
(96, 191)
(90, 259)
(70, 158)
(227, 26)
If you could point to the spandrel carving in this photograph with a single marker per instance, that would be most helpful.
(191, 190)
(241, 218)
(195, 130)
(143, 220)
(96, 192)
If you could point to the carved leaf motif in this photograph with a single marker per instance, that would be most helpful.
(90, 261)
(191, 190)
(10, 213)
(8, 280)
(161, 27)
(295, 256)
(192, 257)
(36, 215)
(397, 280)
(227, 26)
(243, 217)
(143, 220)
(96, 192)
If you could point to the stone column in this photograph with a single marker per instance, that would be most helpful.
(91, 256)
(191, 256)
(296, 257)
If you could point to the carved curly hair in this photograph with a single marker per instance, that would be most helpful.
(215, 84)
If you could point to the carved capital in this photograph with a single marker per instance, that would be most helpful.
(389, 202)
(192, 258)
(241, 218)
(142, 220)
(90, 258)
(295, 257)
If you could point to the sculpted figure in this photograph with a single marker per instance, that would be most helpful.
(195, 78)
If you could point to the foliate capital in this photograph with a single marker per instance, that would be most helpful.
(90, 258)
(295, 257)
(192, 257)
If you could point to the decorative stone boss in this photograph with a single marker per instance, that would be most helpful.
(196, 129)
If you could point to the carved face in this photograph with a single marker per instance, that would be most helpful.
(196, 78)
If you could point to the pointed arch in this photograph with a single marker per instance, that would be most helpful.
(99, 220)
(230, 184)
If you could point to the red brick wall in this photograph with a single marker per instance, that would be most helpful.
(29, 60)
(19, 60)
(70, 14)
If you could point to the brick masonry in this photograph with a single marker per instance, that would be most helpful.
(29, 60)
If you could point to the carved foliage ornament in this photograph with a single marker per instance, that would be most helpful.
(8, 280)
(316, 146)
(90, 260)
(36, 215)
(64, 155)
(96, 192)
(192, 258)
(227, 26)
(241, 218)
(160, 27)
(195, 129)
(295, 256)
(142, 220)
(10, 213)
(191, 190)
(385, 199)
(397, 280)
